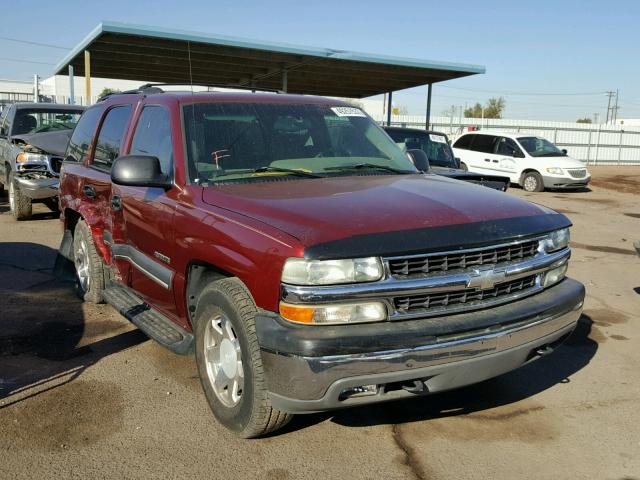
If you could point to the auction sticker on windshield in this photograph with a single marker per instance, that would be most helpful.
(437, 138)
(348, 112)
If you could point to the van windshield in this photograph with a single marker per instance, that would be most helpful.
(540, 147)
(251, 141)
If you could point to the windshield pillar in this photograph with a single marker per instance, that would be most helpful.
(428, 118)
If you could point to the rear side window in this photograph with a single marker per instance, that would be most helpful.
(110, 137)
(153, 136)
(483, 143)
(82, 136)
(463, 142)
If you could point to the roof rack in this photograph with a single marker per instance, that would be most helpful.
(151, 88)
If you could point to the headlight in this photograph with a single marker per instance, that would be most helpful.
(557, 240)
(554, 276)
(555, 171)
(334, 314)
(300, 271)
(24, 157)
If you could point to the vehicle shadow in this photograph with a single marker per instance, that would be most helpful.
(533, 378)
(45, 338)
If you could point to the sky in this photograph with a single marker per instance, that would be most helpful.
(550, 60)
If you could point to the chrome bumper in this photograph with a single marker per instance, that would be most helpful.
(304, 383)
(38, 188)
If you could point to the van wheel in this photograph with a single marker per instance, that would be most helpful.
(229, 360)
(19, 204)
(532, 182)
(90, 271)
(463, 167)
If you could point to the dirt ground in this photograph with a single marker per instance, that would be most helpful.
(83, 394)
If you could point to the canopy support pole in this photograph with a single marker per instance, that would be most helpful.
(428, 119)
(87, 77)
(389, 106)
(72, 96)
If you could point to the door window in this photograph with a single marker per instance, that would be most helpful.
(484, 143)
(153, 136)
(82, 136)
(110, 137)
(508, 147)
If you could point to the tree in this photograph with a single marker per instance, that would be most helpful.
(106, 91)
(492, 109)
(584, 120)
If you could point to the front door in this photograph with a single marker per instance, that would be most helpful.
(142, 217)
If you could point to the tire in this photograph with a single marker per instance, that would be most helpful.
(90, 271)
(52, 204)
(532, 182)
(231, 374)
(19, 204)
(463, 167)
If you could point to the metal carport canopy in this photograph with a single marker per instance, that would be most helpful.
(135, 52)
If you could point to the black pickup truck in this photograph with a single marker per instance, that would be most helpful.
(440, 156)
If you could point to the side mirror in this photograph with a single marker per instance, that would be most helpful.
(419, 159)
(139, 171)
(564, 150)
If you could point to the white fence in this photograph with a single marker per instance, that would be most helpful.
(595, 144)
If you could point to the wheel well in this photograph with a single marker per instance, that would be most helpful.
(199, 275)
(528, 170)
(71, 217)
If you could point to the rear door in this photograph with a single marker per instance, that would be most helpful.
(142, 217)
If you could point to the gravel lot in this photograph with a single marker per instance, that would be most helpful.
(83, 394)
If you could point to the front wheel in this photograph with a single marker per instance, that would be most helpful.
(19, 204)
(229, 360)
(90, 271)
(532, 182)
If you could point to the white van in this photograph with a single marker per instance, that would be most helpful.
(532, 162)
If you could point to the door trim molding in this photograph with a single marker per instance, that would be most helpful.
(157, 272)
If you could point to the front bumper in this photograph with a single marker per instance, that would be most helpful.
(309, 369)
(565, 182)
(38, 188)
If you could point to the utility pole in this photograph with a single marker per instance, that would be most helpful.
(609, 94)
(614, 109)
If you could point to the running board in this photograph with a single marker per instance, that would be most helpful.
(150, 321)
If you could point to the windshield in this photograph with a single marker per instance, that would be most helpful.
(32, 120)
(540, 147)
(241, 142)
(434, 145)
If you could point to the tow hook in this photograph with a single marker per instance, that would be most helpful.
(417, 387)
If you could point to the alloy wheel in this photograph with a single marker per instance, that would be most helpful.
(530, 184)
(223, 358)
(81, 261)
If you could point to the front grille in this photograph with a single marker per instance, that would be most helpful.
(437, 301)
(427, 264)
(578, 172)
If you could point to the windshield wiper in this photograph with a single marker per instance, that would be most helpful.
(372, 166)
(293, 171)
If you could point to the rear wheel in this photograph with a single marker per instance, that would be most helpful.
(229, 360)
(19, 204)
(90, 271)
(463, 167)
(532, 182)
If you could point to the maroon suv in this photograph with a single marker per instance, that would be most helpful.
(290, 244)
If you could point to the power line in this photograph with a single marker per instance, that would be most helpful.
(25, 61)
(38, 44)
(519, 93)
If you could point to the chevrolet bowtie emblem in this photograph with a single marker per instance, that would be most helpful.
(485, 279)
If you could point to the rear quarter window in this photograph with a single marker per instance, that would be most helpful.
(82, 136)
(463, 142)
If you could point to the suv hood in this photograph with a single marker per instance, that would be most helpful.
(323, 210)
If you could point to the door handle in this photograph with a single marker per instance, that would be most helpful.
(495, 161)
(487, 160)
(116, 203)
(89, 191)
